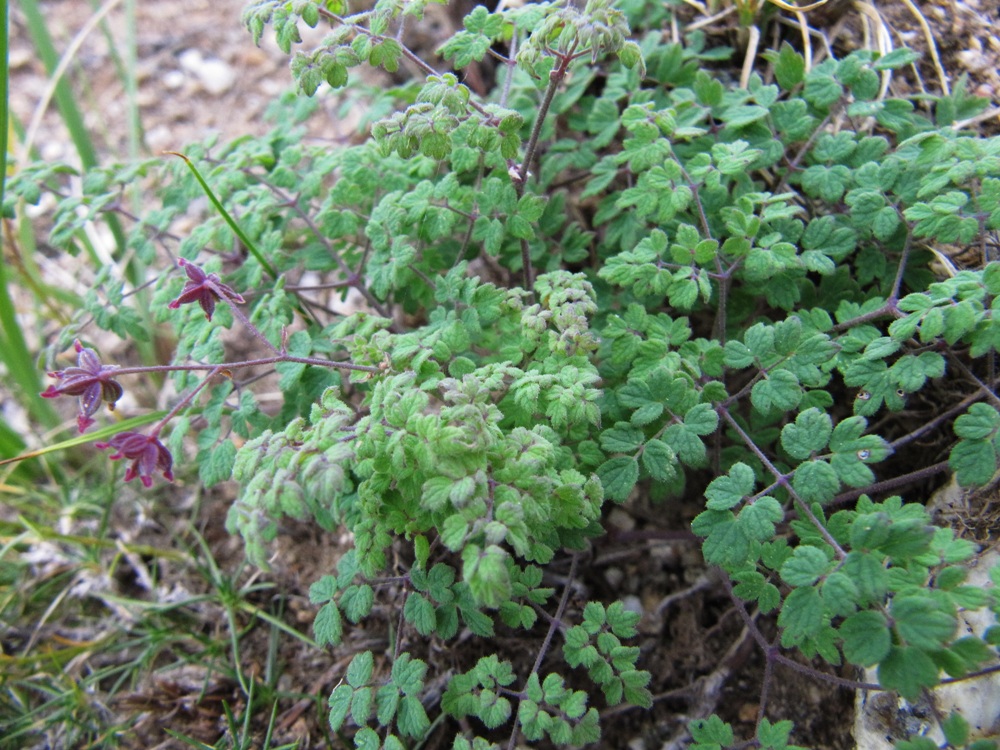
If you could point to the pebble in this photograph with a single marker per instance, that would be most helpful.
(174, 79)
(619, 520)
(214, 75)
(973, 60)
(614, 577)
(633, 604)
(20, 57)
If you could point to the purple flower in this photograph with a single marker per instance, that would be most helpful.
(92, 381)
(204, 289)
(146, 453)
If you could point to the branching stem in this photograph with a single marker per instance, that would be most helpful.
(554, 625)
(801, 504)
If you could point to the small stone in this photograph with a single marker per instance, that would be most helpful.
(633, 604)
(973, 60)
(214, 75)
(174, 79)
(748, 712)
(20, 58)
(614, 577)
(619, 520)
(190, 60)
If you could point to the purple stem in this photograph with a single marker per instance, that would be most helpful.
(782, 479)
(187, 399)
(249, 363)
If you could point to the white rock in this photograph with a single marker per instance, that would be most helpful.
(619, 520)
(614, 577)
(190, 60)
(174, 79)
(883, 718)
(633, 604)
(214, 75)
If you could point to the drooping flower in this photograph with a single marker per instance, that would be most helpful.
(146, 453)
(203, 288)
(92, 381)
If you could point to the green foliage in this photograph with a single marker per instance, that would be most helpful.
(692, 291)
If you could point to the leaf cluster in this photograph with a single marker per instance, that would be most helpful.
(613, 276)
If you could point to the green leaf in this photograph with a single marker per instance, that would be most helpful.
(622, 438)
(955, 729)
(219, 465)
(801, 616)
(729, 490)
(702, 419)
(805, 566)
(408, 674)
(359, 671)
(323, 590)
(816, 482)
(974, 462)
(357, 601)
(328, 626)
(898, 58)
(361, 705)
(752, 586)
(840, 595)
(920, 622)
(866, 638)
(454, 532)
(367, 739)
(885, 223)
(917, 743)
(780, 390)
(340, 704)
(686, 444)
(808, 434)
(789, 66)
(412, 719)
(907, 670)
(726, 543)
(659, 460)
(618, 476)
(868, 573)
(743, 115)
(774, 736)
(419, 612)
(487, 575)
(494, 710)
(386, 704)
(980, 422)
(711, 732)
(757, 520)
(822, 89)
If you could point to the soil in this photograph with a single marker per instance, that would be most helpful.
(199, 73)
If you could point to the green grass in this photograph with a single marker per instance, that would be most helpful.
(91, 634)
(86, 641)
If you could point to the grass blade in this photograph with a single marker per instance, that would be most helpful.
(100, 434)
(20, 364)
(69, 111)
(237, 229)
(14, 354)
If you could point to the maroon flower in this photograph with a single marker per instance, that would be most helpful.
(92, 381)
(146, 453)
(204, 289)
